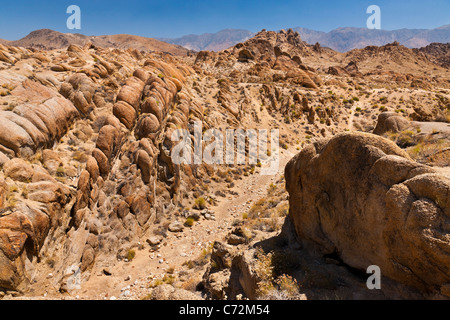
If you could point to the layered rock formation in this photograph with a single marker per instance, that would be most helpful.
(361, 198)
(151, 103)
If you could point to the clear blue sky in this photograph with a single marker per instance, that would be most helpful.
(173, 18)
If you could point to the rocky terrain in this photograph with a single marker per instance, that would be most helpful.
(92, 206)
(46, 39)
(341, 39)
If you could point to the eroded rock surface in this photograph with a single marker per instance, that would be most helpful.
(361, 197)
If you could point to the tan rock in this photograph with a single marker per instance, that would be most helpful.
(390, 122)
(131, 92)
(141, 207)
(14, 137)
(147, 126)
(145, 164)
(151, 105)
(35, 134)
(3, 158)
(30, 113)
(81, 103)
(51, 160)
(18, 170)
(102, 161)
(122, 209)
(141, 74)
(88, 258)
(107, 140)
(361, 196)
(125, 113)
(92, 168)
(47, 192)
(3, 187)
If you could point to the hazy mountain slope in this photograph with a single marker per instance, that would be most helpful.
(345, 39)
(46, 39)
(212, 41)
(441, 35)
(341, 39)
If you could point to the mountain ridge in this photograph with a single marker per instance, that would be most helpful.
(220, 40)
(341, 39)
(47, 39)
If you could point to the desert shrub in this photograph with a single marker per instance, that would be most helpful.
(283, 210)
(405, 139)
(288, 285)
(202, 259)
(155, 283)
(80, 156)
(131, 254)
(200, 203)
(431, 152)
(190, 264)
(191, 284)
(168, 279)
(189, 222)
(275, 282)
(258, 206)
(272, 188)
(264, 270)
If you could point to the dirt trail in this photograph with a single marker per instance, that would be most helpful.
(129, 280)
(352, 116)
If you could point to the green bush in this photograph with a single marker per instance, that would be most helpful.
(200, 203)
(131, 254)
(189, 222)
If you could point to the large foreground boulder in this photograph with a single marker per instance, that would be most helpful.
(360, 197)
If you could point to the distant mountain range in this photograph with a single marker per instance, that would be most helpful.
(46, 39)
(345, 39)
(212, 41)
(342, 39)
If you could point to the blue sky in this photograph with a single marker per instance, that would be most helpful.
(173, 18)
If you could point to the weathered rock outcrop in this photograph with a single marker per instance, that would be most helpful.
(79, 89)
(29, 128)
(44, 114)
(28, 227)
(390, 122)
(360, 197)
